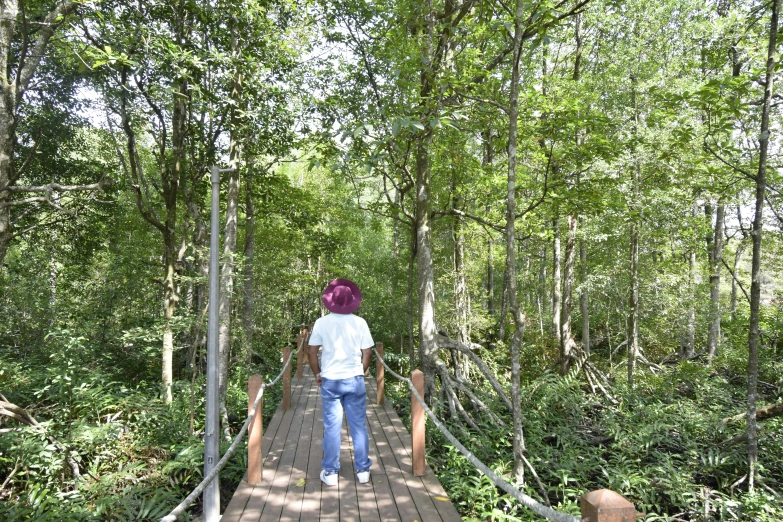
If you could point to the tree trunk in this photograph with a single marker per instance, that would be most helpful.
(230, 236)
(13, 89)
(396, 233)
(172, 174)
(755, 287)
(633, 298)
(687, 350)
(487, 161)
(7, 145)
(411, 313)
(201, 261)
(557, 296)
(460, 280)
(584, 297)
(460, 292)
(518, 441)
(490, 276)
(542, 294)
(170, 299)
(713, 335)
(566, 338)
(633, 303)
(426, 276)
(248, 283)
(734, 286)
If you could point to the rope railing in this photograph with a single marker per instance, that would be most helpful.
(190, 499)
(525, 500)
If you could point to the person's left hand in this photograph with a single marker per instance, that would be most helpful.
(318, 380)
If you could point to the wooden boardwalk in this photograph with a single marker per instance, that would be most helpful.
(292, 490)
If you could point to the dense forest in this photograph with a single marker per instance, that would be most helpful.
(567, 213)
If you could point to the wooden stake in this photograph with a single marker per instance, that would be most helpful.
(286, 379)
(255, 432)
(300, 351)
(379, 377)
(417, 424)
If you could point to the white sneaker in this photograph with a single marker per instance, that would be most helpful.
(329, 480)
(363, 476)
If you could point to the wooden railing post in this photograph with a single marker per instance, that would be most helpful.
(286, 379)
(300, 351)
(255, 431)
(417, 424)
(379, 369)
(605, 505)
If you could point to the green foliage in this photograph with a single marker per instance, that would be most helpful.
(363, 91)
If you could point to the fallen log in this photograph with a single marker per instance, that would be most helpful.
(767, 412)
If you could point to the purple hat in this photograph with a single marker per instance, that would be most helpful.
(342, 296)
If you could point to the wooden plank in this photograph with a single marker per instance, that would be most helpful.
(247, 494)
(384, 500)
(446, 508)
(377, 464)
(349, 501)
(312, 497)
(255, 504)
(293, 447)
(330, 502)
(258, 498)
(238, 502)
(273, 506)
(365, 493)
(448, 512)
(292, 506)
(395, 433)
(403, 502)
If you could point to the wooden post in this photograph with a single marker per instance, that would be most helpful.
(417, 424)
(605, 505)
(379, 377)
(255, 431)
(286, 379)
(300, 351)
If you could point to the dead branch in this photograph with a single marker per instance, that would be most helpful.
(477, 403)
(455, 405)
(57, 187)
(22, 415)
(447, 342)
(734, 440)
(541, 488)
(767, 412)
(17, 467)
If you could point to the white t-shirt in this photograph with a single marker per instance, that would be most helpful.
(343, 336)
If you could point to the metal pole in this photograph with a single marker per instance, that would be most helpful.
(211, 425)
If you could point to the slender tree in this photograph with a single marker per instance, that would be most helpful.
(758, 223)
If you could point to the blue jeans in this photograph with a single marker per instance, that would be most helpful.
(351, 395)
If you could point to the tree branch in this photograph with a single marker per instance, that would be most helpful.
(50, 24)
(737, 168)
(56, 187)
(735, 279)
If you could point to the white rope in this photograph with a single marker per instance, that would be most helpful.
(525, 500)
(185, 504)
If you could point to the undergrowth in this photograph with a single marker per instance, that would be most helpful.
(137, 457)
(659, 446)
